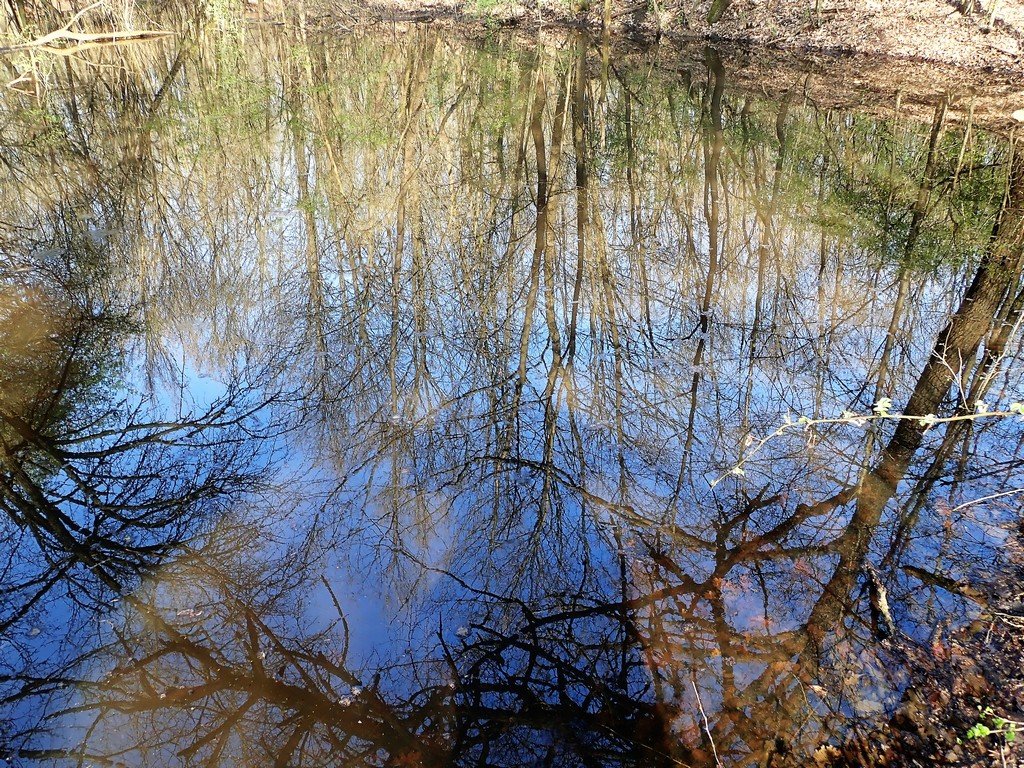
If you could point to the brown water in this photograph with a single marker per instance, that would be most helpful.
(390, 400)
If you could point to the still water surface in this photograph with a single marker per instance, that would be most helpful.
(390, 400)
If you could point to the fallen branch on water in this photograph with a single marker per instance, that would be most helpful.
(58, 41)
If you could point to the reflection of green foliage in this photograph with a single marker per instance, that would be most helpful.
(879, 183)
(43, 126)
(315, 204)
(225, 16)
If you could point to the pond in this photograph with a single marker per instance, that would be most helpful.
(393, 398)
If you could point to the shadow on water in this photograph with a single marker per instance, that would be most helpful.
(390, 400)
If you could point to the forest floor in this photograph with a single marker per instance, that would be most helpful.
(987, 37)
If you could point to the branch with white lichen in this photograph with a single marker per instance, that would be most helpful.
(880, 412)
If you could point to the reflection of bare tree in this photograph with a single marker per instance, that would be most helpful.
(97, 487)
(250, 687)
(531, 312)
(235, 671)
(82, 474)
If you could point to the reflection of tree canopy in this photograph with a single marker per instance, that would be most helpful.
(535, 305)
(97, 484)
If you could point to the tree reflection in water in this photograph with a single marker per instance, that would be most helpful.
(349, 419)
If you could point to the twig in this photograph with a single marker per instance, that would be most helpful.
(80, 15)
(987, 498)
(66, 28)
(805, 423)
(22, 78)
(707, 725)
(73, 50)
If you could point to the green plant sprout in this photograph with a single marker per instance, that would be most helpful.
(991, 724)
(879, 412)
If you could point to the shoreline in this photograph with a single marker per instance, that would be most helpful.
(932, 32)
(882, 85)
